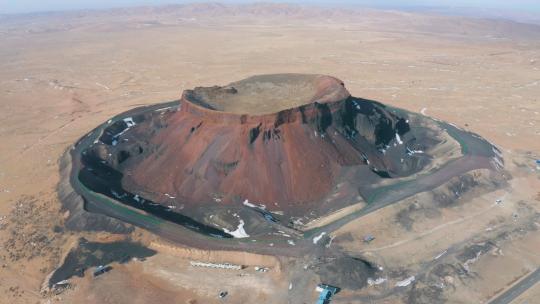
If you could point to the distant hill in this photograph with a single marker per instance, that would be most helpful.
(426, 21)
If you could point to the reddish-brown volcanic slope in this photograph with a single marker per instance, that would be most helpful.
(222, 145)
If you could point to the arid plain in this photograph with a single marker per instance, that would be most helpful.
(61, 74)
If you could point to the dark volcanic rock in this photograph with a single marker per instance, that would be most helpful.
(283, 140)
(78, 219)
(346, 272)
(92, 254)
(298, 145)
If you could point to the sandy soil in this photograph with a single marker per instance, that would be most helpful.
(62, 74)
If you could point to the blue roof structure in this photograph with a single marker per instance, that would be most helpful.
(324, 296)
(326, 293)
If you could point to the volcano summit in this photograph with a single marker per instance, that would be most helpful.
(264, 155)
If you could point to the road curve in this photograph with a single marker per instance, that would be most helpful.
(478, 154)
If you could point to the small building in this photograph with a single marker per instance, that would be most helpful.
(368, 238)
(59, 287)
(101, 270)
(261, 269)
(325, 293)
(223, 294)
(216, 265)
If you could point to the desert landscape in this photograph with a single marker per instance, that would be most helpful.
(470, 237)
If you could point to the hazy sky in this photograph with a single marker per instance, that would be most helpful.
(24, 6)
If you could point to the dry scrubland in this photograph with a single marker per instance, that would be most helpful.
(62, 74)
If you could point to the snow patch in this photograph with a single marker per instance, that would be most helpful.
(329, 242)
(398, 139)
(129, 122)
(239, 232)
(283, 233)
(412, 152)
(164, 109)
(377, 281)
(118, 196)
(405, 282)
(318, 238)
(497, 152)
(247, 203)
(440, 255)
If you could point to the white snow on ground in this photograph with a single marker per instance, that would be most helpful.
(498, 163)
(377, 281)
(405, 282)
(169, 196)
(291, 242)
(246, 203)
(318, 238)
(239, 232)
(440, 255)
(411, 152)
(398, 139)
(164, 109)
(423, 111)
(129, 121)
(283, 233)
(329, 242)
(298, 222)
(117, 195)
(260, 206)
(497, 152)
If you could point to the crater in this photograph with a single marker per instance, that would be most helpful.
(265, 94)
